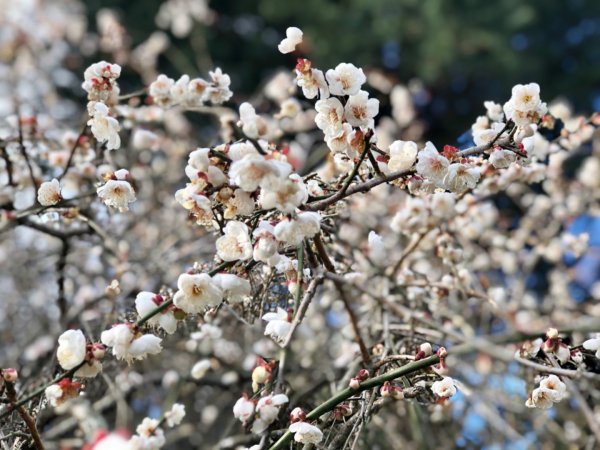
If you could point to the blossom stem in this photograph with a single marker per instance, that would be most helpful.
(364, 386)
(73, 150)
(368, 185)
(29, 421)
(39, 391)
(297, 295)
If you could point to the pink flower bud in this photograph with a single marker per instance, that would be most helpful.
(354, 383)
(98, 350)
(386, 389)
(362, 374)
(10, 375)
(297, 415)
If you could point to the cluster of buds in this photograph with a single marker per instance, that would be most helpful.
(262, 373)
(392, 390)
(361, 376)
(342, 411)
(553, 344)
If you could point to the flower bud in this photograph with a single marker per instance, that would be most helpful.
(424, 351)
(362, 374)
(552, 333)
(297, 415)
(98, 350)
(261, 375)
(354, 383)
(11, 375)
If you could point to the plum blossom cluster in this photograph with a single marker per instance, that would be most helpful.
(191, 93)
(129, 344)
(389, 245)
(262, 412)
(550, 391)
(100, 82)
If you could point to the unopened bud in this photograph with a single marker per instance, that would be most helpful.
(260, 375)
(98, 350)
(297, 415)
(552, 333)
(11, 375)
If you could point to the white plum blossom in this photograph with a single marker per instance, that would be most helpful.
(292, 39)
(243, 409)
(330, 114)
(254, 170)
(461, 177)
(376, 249)
(593, 345)
(146, 302)
(54, 395)
(149, 435)
(117, 194)
(443, 205)
(200, 369)
(278, 325)
(444, 388)
(179, 90)
(501, 158)
(238, 150)
(345, 79)
(431, 165)
(360, 110)
(265, 246)
(49, 193)
(240, 203)
(235, 243)
(525, 106)
(292, 232)
(71, 349)
(144, 139)
(267, 410)
(252, 124)
(219, 91)
(100, 81)
(196, 292)
(305, 433)
(403, 155)
(175, 415)
(234, 288)
(551, 390)
(160, 90)
(104, 127)
(412, 217)
(312, 81)
(338, 143)
(284, 194)
(199, 159)
(129, 346)
(494, 111)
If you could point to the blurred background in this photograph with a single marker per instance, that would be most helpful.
(463, 52)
